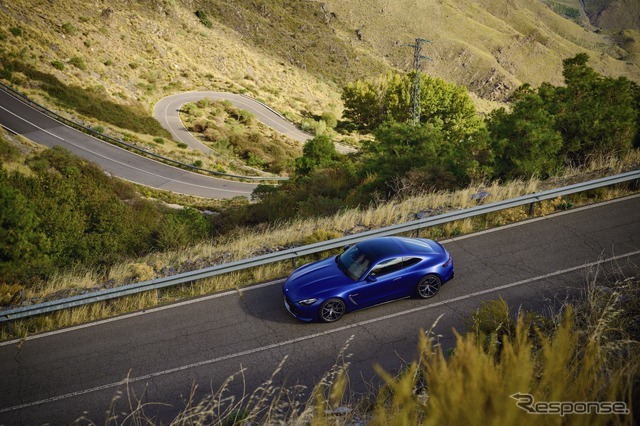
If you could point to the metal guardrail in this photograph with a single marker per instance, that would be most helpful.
(129, 146)
(187, 277)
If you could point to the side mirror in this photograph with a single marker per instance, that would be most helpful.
(371, 278)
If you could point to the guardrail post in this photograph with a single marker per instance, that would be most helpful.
(294, 263)
(532, 209)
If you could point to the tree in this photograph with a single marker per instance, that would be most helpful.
(444, 105)
(400, 148)
(317, 153)
(364, 101)
(525, 141)
(596, 114)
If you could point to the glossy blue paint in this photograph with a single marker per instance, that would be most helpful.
(368, 273)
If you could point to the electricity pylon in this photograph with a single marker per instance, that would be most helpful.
(415, 90)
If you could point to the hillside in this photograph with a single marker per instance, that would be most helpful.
(295, 56)
(613, 14)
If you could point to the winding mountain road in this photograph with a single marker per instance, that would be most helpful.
(60, 376)
(21, 118)
(167, 112)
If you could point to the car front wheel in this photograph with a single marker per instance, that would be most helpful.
(428, 286)
(332, 310)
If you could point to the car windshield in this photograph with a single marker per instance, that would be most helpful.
(353, 262)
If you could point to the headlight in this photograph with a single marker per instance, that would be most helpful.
(307, 302)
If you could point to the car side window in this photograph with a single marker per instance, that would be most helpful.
(387, 266)
(410, 261)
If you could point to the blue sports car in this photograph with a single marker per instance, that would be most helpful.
(366, 274)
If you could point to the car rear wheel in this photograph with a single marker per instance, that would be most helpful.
(428, 286)
(332, 310)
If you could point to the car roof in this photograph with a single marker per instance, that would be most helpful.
(379, 248)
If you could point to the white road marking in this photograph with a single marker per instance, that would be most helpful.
(313, 336)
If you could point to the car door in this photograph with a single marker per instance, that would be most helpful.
(380, 285)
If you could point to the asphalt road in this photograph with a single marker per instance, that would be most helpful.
(22, 119)
(60, 376)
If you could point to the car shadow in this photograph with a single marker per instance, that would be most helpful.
(266, 303)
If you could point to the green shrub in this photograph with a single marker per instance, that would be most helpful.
(244, 116)
(58, 65)
(98, 129)
(204, 19)
(78, 62)
(68, 28)
(330, 119)
(182, 228)
(8, 152)
(320, 235)
(204, 103)
(182, 145)
(158, 140)
(17, 32)
(197, 163)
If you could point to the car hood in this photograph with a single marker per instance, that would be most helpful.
(309, 280)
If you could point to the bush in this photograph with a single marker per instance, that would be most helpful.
(68, 28)
(204, 19)
(320, 235)
(8, 152)
(182, 228)
(78, 62)
(59, 65)
(330, 119)
(17, 32)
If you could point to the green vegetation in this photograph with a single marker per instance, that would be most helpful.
(553, 126)
(68, 28)
(59, 65)
(545, 131)
(65, 212)
(204, 19)
(78, 62)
